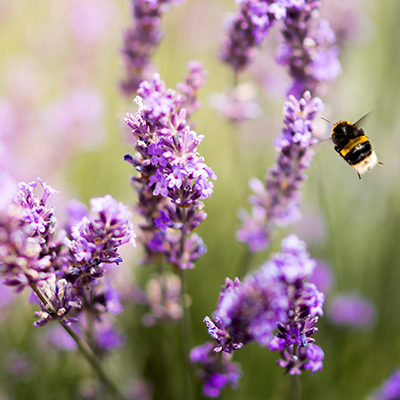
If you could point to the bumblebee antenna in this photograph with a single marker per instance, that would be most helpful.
(327, 120)
(357, 124)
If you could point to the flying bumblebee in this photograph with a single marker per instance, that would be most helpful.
(352, 144)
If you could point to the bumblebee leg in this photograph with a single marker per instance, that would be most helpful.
(359, 176)
(380, 163)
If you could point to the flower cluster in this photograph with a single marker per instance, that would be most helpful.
(277, 201)
(173, 176)
(305, 301)
(62, 269)
(97, 237)
(141, 40)
(309, 48)
(277, 296)
(27, 229)
(248, 28)
(217, 371)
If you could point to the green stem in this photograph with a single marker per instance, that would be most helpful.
(296, 392)
(185, 322)
(83, 347)
(90, 322)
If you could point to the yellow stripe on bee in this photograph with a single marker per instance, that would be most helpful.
(353, 143)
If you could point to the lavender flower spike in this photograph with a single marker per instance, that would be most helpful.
(278, 297)
(308, 49)
(248, 28)
(276, 202)
(174, 179)
(141, 40)
(294, 339)
(96, 238)
(27, 228)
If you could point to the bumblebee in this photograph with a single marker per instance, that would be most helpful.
(352, 144)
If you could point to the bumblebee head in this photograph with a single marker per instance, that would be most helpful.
(342, 129)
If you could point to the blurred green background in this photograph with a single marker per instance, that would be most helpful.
(360, 219)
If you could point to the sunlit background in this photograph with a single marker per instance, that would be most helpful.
(61, 118)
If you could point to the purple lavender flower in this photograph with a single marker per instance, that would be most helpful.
(293, 339)
(238, 104)
(163, 297)
(60, 271)
(277, 201)
(390, 389)
(248, 28)
(27, 228)
(353, 310)
(278, 295)
(167, 142)
(322, 276)
(217, 371)
(95, 239)
(141, 40)
(60, 301)
(173, 176)
(308, 48)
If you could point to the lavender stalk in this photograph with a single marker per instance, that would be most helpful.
(85, 349)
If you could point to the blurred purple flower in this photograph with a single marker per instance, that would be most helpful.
(89, 19)
(7, 296)
(141, 40)
(108, 338)
(216, 370)
(322, 277)
(248, 28)
(349, 20)
(163, 297)
(77, 117)
(308, 49)
(276, 203)
(390, 389)
(237, 105)
(353, 310)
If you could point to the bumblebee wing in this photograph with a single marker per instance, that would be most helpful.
(363, 118)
